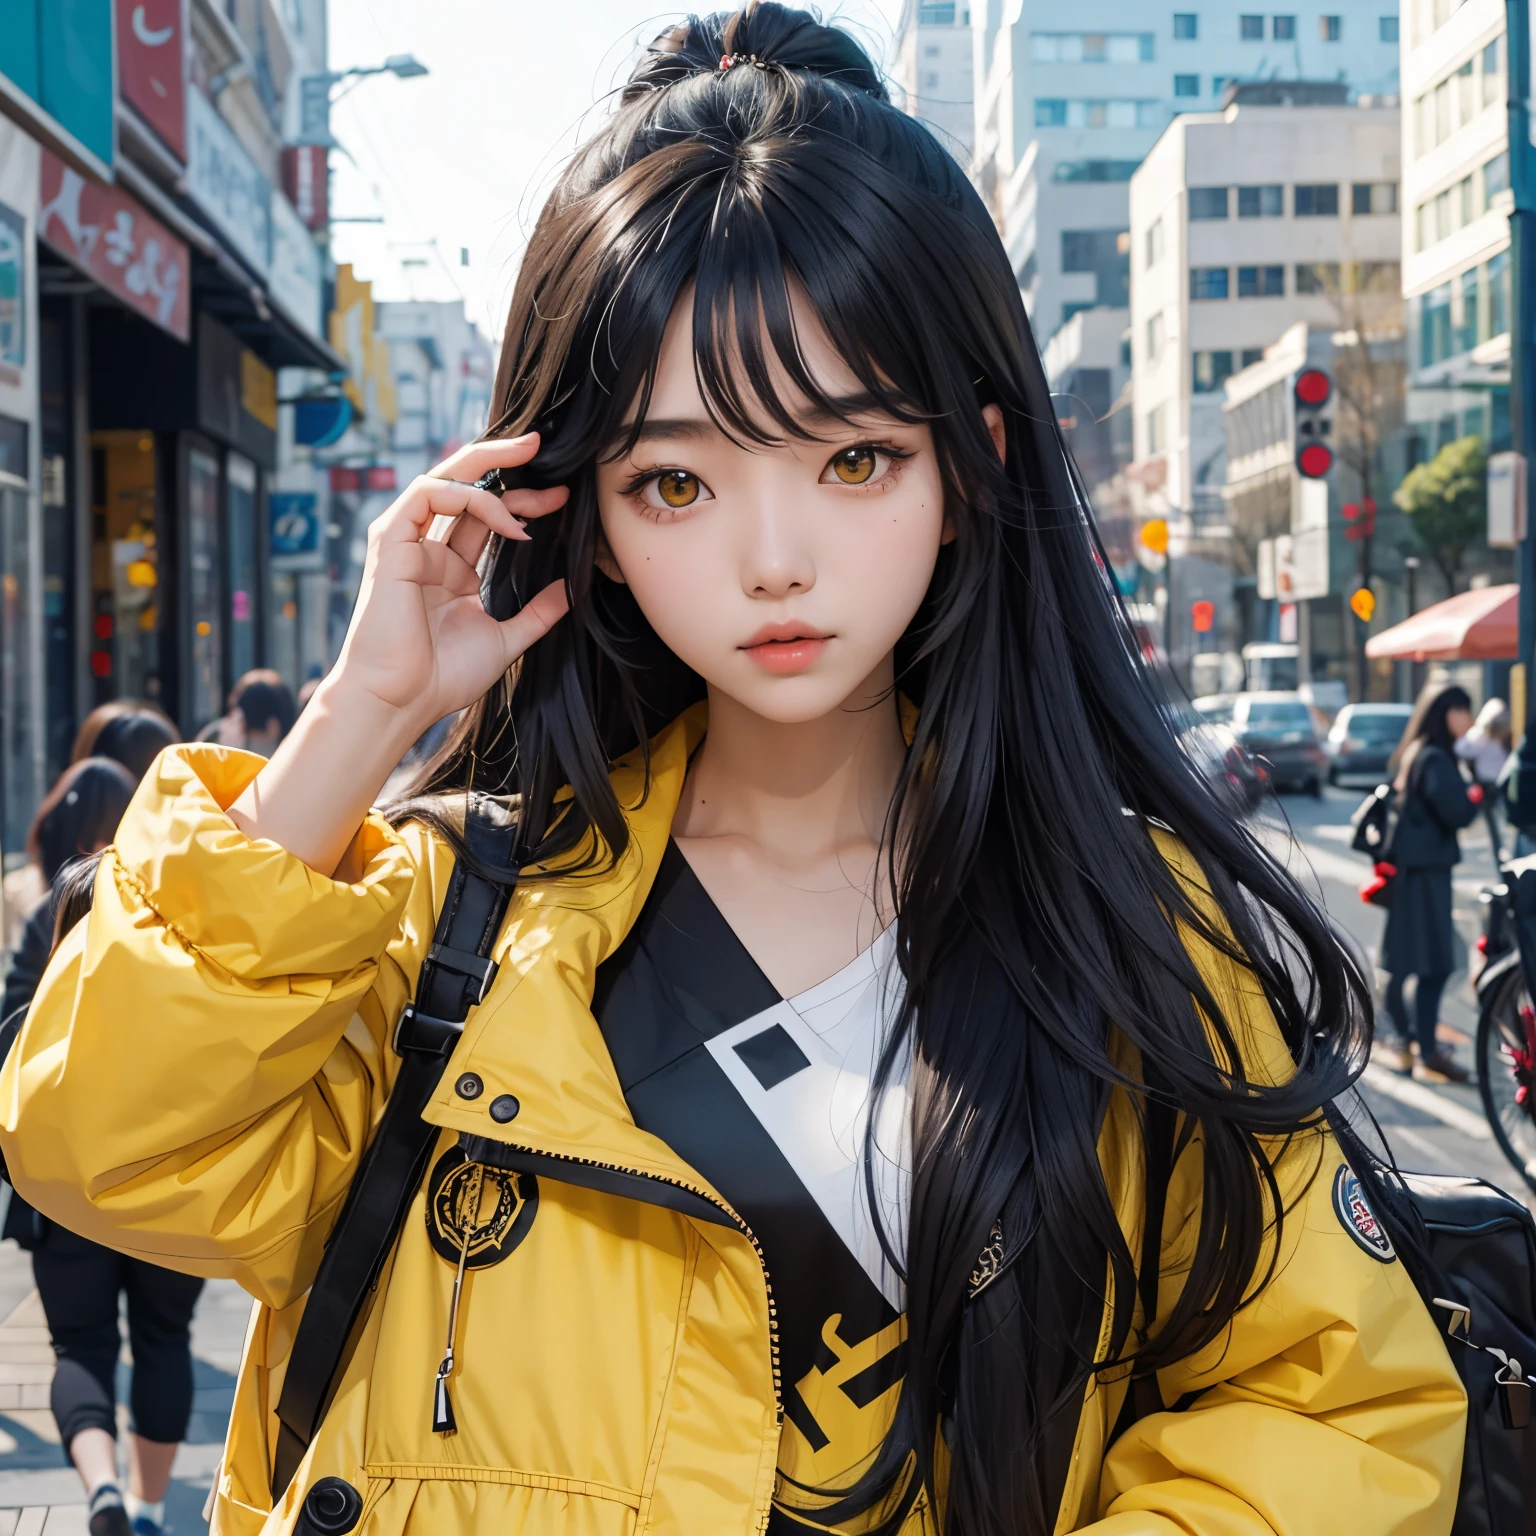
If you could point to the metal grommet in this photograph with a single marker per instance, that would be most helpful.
(469, 1086)
(504, 1108)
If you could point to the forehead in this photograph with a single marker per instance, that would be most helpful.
(676, 394)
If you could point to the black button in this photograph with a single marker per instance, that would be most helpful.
(504, 1108)
(469, 1086)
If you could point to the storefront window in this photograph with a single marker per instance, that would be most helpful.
(205, 693)
(125, 567)
(20, 746)
(240, 476)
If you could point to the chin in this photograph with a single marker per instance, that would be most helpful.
(792, 700)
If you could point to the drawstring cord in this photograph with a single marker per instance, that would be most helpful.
(443, 1421)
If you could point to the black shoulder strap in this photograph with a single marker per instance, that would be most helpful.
(456, 975)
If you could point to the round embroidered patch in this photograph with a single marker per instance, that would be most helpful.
(1358, 1219)
(480, 1212)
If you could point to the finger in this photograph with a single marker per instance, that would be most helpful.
(468, 538)
(534, 619)
(530, 503)
(476, 459)
(426, 498)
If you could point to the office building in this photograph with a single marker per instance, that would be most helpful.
(932, 70)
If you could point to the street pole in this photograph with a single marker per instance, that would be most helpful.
(1411, 581)
(1522, 367)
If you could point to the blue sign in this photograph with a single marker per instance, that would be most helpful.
(319, 423)
(59, 53)
(295, 519)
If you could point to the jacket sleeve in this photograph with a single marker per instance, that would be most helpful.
(1330, 1404)
(1444, 792)
(207, 1052)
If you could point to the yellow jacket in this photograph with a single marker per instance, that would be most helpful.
(209, 1052)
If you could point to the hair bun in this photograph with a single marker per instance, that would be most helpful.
(764, 35)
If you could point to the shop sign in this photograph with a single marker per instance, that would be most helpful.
(295, 278)
(13, 295)
(306, 181)
(111, 238)
(58, 53)
(151, 70)
(295, 524)
(224, 181)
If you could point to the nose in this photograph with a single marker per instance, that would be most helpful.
(776, 557)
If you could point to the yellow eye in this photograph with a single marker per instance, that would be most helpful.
(677, 488)
(855, 466)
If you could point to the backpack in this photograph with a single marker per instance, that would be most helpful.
(1470, 1250)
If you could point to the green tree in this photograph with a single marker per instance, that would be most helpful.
(1446, 501)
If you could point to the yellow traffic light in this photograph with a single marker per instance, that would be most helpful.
(1362, 602)
(1154, 535)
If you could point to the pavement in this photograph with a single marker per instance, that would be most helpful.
(1431, 1129)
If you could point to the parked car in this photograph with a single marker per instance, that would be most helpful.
(1279, 730)
(1362, 738)
(1231, 771)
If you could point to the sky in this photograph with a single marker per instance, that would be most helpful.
(457, 163)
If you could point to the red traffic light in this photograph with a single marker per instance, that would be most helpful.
(1314, 461)
(1313, 387)
(1202, 616)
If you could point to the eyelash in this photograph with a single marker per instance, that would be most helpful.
(637, 483)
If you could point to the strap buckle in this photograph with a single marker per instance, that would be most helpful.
(415, 1031)
(464, 962)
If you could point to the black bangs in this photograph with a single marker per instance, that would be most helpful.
(754, 169)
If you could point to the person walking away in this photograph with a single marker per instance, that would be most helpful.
(129, 731)
(261, 712)
(1486, 750)
(80, 1281)
(1434, 802)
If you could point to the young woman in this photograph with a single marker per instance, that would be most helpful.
(1434, 803)
(866, 897)
(82, 1283)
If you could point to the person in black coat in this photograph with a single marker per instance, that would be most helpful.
(1434, 802)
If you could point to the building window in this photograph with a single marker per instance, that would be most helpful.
(931, 80)
(1091, 47)
(1050, 113)
(936, 13)
(1266, 202)
(1493, 73)
(1251, 28)
(1094, 170)
(1252, 355)
(1330, 29)
(1497, 282)
(1207, 202)
(1155, 242)
(1156, 432)
(932, 51)
(1056, 113)
(1266, 282)
(1374, 277)
(1186, 85)
(1317, 277)
(1317, 200)
(1218, 82)
(1373, 197)
(1464, 332)
(1211, 371)
(1435, 326)
(1106, 253)
(1155, 337)
(1463, 202)
(1208, 282)
(1387, 29)
(1186, 26)
(1495, 177)
(1283, 29)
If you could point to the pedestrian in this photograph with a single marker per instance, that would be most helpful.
(1433, 802)
(1486, 751)
(79, 1281)
(261, 712)
(130, 731)
(878, 976)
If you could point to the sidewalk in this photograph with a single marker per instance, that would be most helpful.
(39, 1493)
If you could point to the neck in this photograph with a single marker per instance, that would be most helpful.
(800, 792)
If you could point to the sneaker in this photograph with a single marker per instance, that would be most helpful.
(107, 1515)
(1440, 1066)
(1391, 1055)
(142, 1525)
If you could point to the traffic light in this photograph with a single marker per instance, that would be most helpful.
(1154, 535)
(1202, 616)
(1312, 391)
(1360, 518)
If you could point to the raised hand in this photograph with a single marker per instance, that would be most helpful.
(419, 647)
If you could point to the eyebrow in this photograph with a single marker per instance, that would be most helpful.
(680, 429)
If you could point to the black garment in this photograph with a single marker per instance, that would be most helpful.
(1420, 936)
(1426, 1010)
(30, 959)
(79, 1282)
(1435, 807)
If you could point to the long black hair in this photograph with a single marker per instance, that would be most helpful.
(1429, 725)
(1039, 925)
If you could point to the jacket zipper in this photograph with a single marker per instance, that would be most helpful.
(740, 1225)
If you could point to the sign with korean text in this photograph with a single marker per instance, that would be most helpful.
(295, 276)
(111, 238)
(226, 183)
(151, 66)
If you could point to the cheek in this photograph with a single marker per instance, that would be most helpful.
(682, 575)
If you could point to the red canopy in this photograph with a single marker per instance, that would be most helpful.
(1481, 625)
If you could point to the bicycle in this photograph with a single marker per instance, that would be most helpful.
(1506, 1016)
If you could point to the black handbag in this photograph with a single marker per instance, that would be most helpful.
(1374, 822)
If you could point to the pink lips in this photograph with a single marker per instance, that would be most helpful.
(787, 648)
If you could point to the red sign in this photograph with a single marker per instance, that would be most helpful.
(151, 67)
(1202, 616)
(306, 181)
(380, 477)
(344, 478)
(111, 238)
